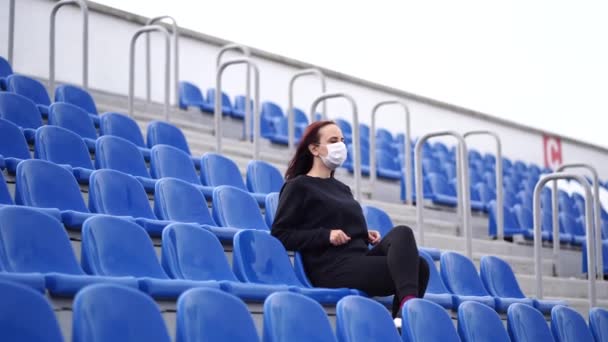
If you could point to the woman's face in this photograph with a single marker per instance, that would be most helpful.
(329, 134)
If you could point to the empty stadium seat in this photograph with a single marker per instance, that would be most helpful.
(32, 89)
(116, 313)
(5, 196)
(574, 227)
(33, 242)
(169, 161)
(160, 132)
(78, 97)
(444, 193)
(604, 252)
(436, 291)
(272, 203)
(461, 278)
(190, 96)
(425, 321)
(13, 146)
(283, 313)
(115, 247)
(568, 325)
(526, 324)
(270, 118)
(260, 258)
(511, 225)
(362, 319)
(477, 322)
(281, 128)
(364, 158)
(263, 178)
(526, 223)
(233, 207)
(120, 125)
(198, 318)
(598, 322)
(5, 70)
(26, 315)
(239, 108)
(74, 119)
(22, 112)
(387, 165)
(209, 106)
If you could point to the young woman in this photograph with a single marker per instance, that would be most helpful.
(318, 217)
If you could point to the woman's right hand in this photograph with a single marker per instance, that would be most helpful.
(337, 237)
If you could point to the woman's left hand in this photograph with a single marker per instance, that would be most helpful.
(374, 237)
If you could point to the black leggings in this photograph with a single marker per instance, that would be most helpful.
(391, 267)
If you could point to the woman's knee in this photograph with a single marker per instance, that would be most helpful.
(404, 231)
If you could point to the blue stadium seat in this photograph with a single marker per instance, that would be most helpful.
(362, 319)
(526, 324)
(116, 313)
(78, 97)
(120, 125)
(426, 321)
(5, 196)
(13, 146)
(387, 165)
(283, 313)
(160, 132)
(281, 134)
(238, 110)
(511, 224)
(574, 227)
(75, 119)
(384, 134)
(121, 155)
(499, 279)
(5, 68)
(477, 322)
(260, 258)
(60, 146)
(169, 161)
(443, 192)
(233, 207)
(461, 278)
(526, 223)
(198, 318)
(604, 252)
(272, 203)
(568, 325)
(486, 193)
(33, 242)
(32, 89)
(115, 247)
(598, 322)
(525, 198)
(263, 178)
(364, 157)
(26, 315)
(115, 193)
(193, 253)
(190, 96)
(436, 291)
(217, 170)
(209, 106)
(22, 112)
(426, 189)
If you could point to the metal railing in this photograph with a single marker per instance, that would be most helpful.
(175, 38)
(290, 112)
(356, 141)
(588, 228)
(407, 150)
(256, 106)
(84, 9)
(137, 34)
(462, 188)
(500, 221)
(11, 30)
(596, 210)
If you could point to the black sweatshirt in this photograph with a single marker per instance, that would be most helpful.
(309, 208)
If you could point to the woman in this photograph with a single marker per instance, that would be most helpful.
(318, 217)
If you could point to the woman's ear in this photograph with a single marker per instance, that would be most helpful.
(314, 149)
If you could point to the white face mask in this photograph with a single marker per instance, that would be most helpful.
(336, 155)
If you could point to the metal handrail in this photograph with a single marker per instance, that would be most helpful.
(11, 30)
(175, 38)
(500, 221)
(256, 107)
(591, 252)
(462, 188)
(84, 9)
(408, 147)
(597, 212)
(290, 112)
(357, 143)
(247, 53)
(137, 34)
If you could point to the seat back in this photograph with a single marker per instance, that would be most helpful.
(568, 325)
(226, 105)
(426, 321)
(218, 170)
(5, 67)
(263, 177)
(169, 161)
(198, 319)
(258, 257)
(120, 125)
(176, 200)
(115, 193)
(511, 224)
(28, 87)
(26, 315)
(119, 154)
(527, 324)
(364, 319)
(384, 134)
(240, 103)
(5, 196)
(160, 132)
(283, 313)
(523, 216)
(498, 278)
(377, 219)
(76, 96)
(386, 160)
(106, 312)
(19, 110)
(598, 322)
(112, 246)
(460, 276)
(439, 185)
(477, 322)
(31, 241)
(236, 208)
(72, 118)
(60, 146)
(191, 252)
(272, 203)
(569, 224)
(12, 141)
(189, 94)
(435, 284)
(43, 184)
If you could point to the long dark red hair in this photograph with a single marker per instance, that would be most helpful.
(302, 161)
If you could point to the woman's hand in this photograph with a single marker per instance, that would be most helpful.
(373, 236)
(337, 237)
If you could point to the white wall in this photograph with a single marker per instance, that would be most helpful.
(108, 70)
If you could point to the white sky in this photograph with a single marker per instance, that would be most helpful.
(542, 63)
